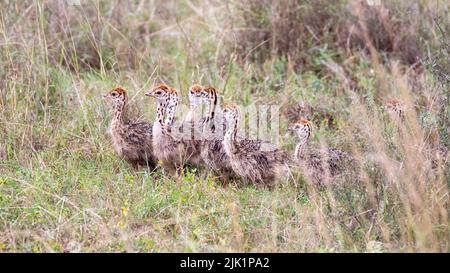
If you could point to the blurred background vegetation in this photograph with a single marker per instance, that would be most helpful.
(333, 62)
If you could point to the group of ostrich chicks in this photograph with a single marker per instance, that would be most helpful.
(228, 155)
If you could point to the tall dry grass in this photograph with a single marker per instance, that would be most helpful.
(62, 188)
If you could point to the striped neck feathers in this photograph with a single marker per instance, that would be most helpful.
(119, 112)
(211, 110)
(170, 112)
(300, 148)
(160, 112)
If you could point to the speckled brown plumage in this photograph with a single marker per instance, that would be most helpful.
(131, 140)
(316, 164)
(258, 166)
(169, 149)
(212, 150)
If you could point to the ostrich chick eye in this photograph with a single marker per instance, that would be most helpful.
(158, 93)
(114, 94)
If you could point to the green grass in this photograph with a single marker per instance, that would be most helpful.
(62, 188)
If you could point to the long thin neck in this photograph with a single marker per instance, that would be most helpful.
(211, 112)
(212, 106)
(300, 148)
(119, 113)
(230, 136)
(160, 112)
(159, 130)
(171, 107)
(234, 128)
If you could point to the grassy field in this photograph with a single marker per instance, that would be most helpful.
(62, 188)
